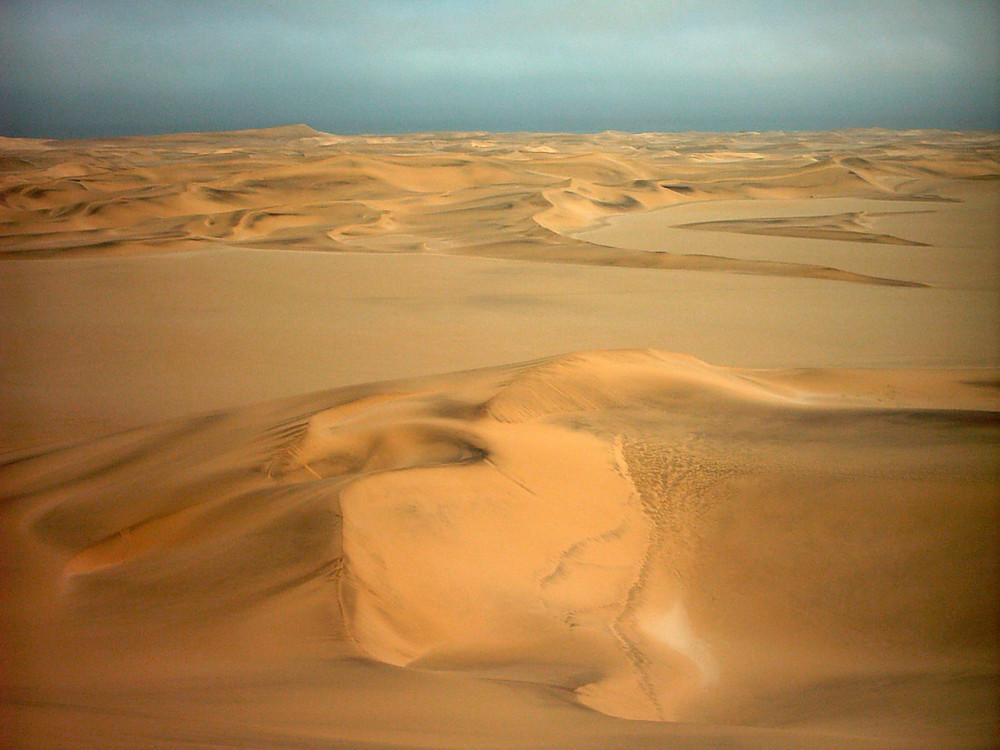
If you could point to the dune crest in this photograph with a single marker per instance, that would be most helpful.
(507, 196)
(638, 530)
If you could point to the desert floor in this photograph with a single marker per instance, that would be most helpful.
(500, 441)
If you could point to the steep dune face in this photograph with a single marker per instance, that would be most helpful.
(653, 537)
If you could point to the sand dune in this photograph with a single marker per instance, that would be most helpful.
(636, 532)
(269, 477)
(294, 187)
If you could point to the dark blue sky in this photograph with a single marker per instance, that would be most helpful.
(102, 67)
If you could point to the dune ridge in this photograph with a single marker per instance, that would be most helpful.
(566, 525)
(297, 188)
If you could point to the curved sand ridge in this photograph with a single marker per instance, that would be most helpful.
(519, 196)
(807, 553)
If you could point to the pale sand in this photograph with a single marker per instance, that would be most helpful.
(949, 245)
(793, 546)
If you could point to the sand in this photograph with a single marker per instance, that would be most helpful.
(501, 440)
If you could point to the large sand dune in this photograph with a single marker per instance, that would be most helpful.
(244, 504)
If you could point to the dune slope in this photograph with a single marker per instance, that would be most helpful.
(511, 196)
(634, 532)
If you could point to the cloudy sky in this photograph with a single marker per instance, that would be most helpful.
(103, 67)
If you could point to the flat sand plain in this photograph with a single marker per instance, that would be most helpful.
(522, 440)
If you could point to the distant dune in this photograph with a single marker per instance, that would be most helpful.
(501, 440)
(513, 196)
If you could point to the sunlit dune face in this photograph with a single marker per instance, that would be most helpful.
(501, 539)
(539, 539)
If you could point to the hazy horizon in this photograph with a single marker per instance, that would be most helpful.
(102, 69)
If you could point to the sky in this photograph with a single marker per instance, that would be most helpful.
(93, 68)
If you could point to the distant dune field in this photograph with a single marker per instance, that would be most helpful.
(501, 440)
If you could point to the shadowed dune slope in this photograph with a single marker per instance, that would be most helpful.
(523, 556)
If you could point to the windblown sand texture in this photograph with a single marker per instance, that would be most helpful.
(501, 441)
